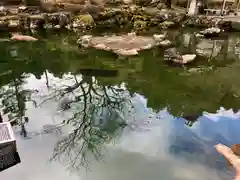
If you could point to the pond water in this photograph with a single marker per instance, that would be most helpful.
(93, 115)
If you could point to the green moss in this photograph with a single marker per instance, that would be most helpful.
(85, 20)
(139, 25)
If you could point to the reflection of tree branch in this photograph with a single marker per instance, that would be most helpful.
(96, 103)
(61, 93)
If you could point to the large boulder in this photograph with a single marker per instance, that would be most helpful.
(124, 45)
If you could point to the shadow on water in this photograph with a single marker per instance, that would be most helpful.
(138, 116)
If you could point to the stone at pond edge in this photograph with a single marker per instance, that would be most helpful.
(187, 58)
(211, 32)
(173, 55)
(159, 37)
(19, 37)
(164, 43)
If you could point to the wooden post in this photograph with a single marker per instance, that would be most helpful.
(223, 7)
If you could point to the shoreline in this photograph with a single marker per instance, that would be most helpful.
(135, 18)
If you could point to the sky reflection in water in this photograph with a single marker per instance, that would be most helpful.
(155, 146)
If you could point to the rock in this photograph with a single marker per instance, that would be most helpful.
(59, 19)
(14, 23)
(199, 35)
(83, 21)
(159, 37)
(101, 47)
(3, 10)
(167, 24)
(22, 8)
(139, 25)
(124, 52)
(12, 11)
(122, 45)
(173, 55)
(161, 6)
(201, 21)
(210, 32)
(37, 21)
(19, 37)
(3, 25)
(164, 43)
(187, 58)
(84, 40)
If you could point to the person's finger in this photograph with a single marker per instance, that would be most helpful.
(228, 154)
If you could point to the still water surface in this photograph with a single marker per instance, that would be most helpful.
(121, 118)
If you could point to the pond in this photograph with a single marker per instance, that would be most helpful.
(93, 115)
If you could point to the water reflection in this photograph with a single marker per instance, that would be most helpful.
(131, 118)
(155, 143)
(96, 116)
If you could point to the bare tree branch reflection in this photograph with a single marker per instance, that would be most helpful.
(97, 117)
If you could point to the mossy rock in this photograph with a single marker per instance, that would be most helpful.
(139, 18)
(85, 20)
(112, 18)
(139, 25)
